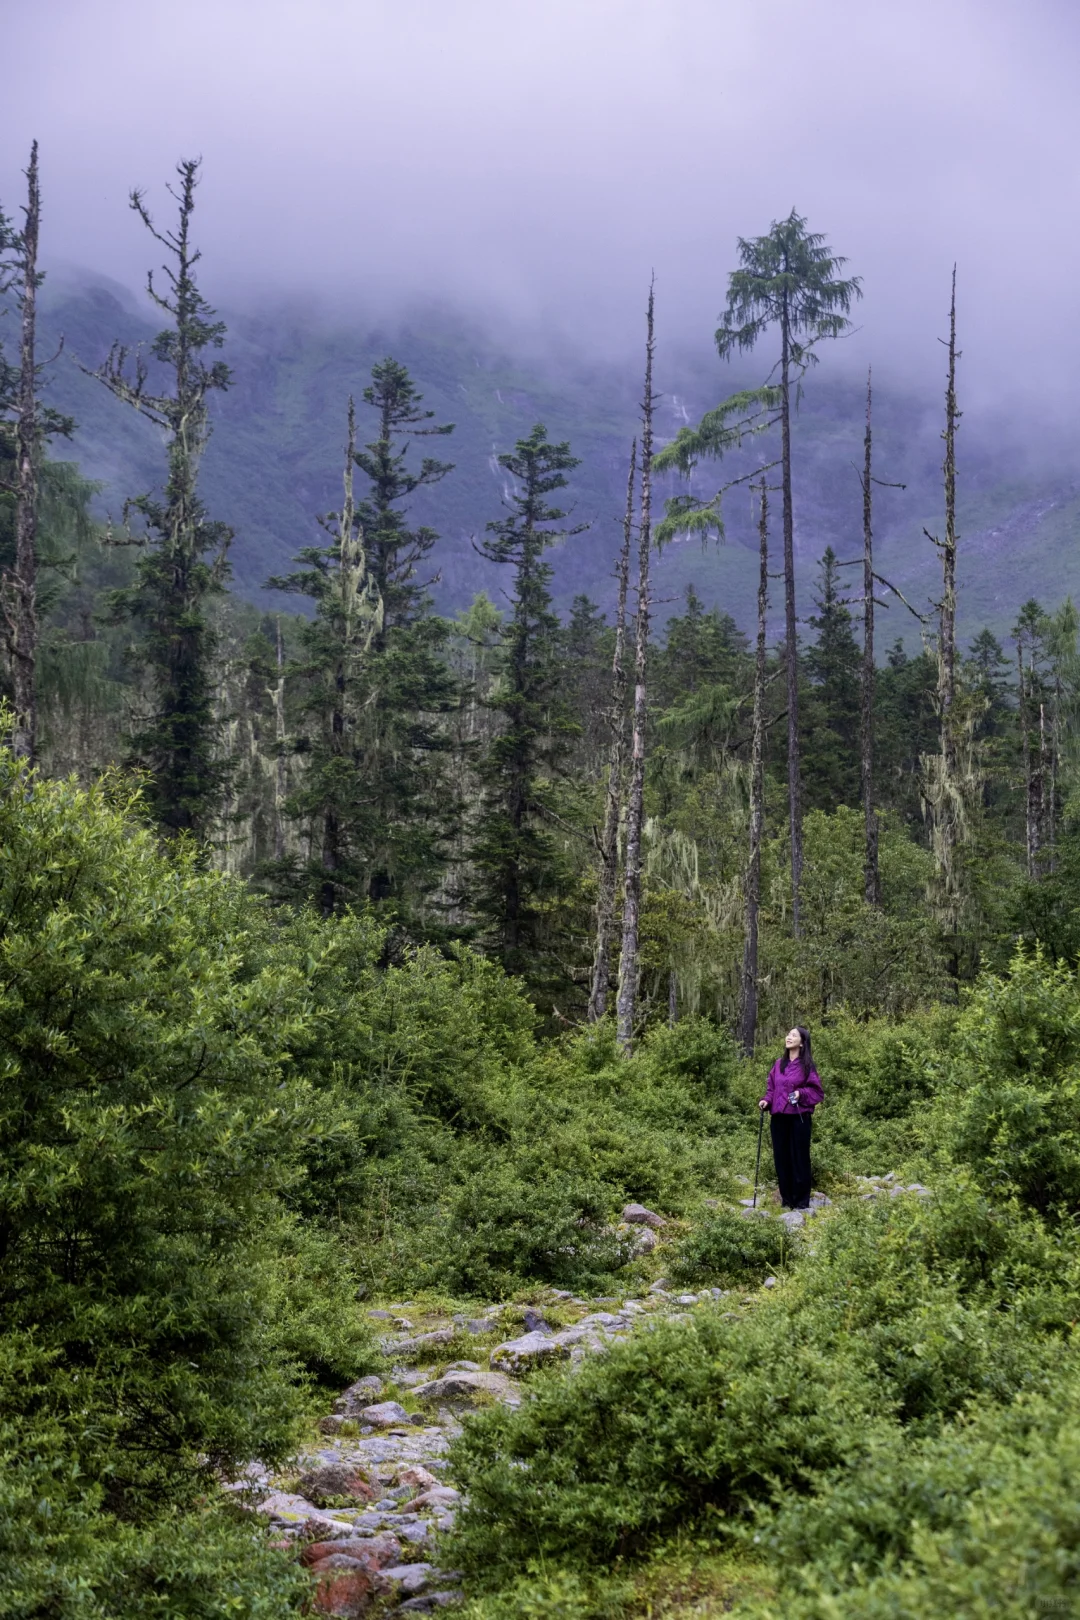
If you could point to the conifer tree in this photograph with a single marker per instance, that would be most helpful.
(789, 279)
(832, 663)
(871, 872)
(332, 800)
(412, 811)
(183, 564)
(512, 850)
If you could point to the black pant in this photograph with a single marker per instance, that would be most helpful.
(791, 1155)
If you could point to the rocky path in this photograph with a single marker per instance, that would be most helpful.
(367, 1500)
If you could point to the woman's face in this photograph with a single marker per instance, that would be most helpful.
(793, 1040)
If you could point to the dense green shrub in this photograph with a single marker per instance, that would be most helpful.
(1011, 1107)
(729, 1248)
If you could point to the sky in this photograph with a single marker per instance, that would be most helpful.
(536, 163)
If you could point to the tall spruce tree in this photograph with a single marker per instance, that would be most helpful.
(183, 563)
(411, 810)
(788, 279)
(332, 674)
(513, 849)
(832, 662)
(748, 989)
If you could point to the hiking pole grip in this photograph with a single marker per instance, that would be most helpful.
(757, 1165)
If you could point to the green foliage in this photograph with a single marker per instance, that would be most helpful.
(183, 566)
(729, 1248)
(513, 849)
(1009, 1110)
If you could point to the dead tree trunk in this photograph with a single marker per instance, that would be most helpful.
(277, 693)
(609, 838)
(21, 605)
(948, 831)
(871, 876)
(629, 964)
(791, 650)
(1024, 717)
(748, 1000)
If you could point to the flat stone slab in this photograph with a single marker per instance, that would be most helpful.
(467, 1388)
(529, 1351)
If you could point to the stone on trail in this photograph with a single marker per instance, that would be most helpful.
(385, 1415)
(469, 1389)
(421, 1341)
(370, 1552)
(638, 1215)
(352, 1401)
(344, 1593)
(531, 1350)
(437, 1496)
(331, 1480)
(421, 1479)
(286, 1507)
(407, 1578)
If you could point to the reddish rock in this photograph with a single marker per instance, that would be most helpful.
(333, 1481)
(346, 1593)
(416, 1476)
(373, 1552)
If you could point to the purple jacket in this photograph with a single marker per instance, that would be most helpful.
(794, 1078)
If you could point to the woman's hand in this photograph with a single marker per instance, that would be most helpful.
(794, 1096)
(763, 1103)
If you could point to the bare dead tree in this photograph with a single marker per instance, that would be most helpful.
(945, 789)
(629, 961)
(277, 695)
(20, 594)
(609, 838)
(871, 875)
(748, 1000)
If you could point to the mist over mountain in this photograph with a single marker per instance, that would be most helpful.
(276, 455)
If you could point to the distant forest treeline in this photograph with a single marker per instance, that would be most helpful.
(675, 814)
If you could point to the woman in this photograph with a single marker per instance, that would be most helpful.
(792, 1094)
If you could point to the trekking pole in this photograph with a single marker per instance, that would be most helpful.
(757, 1166)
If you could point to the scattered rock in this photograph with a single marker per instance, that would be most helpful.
(407, 1578)
(660, 1286)
(638, 1215)
(437, 1496)
(534, 1323)
(793, 1218)
(427, 1601)
(420, 1479)
(369, 1552)
(521, 1355)
(463, 1366)
(352, 1401)
(380, 1316)
(421, 1341)
(345, 1593)
(385, 1414)
(332, 1480)
(771, 1282)
(686, 1299)
(287, 1508)
(468, 1389)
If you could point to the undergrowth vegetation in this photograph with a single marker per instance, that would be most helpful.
(228, 1129)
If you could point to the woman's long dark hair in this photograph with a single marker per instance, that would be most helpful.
(806, 1055)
